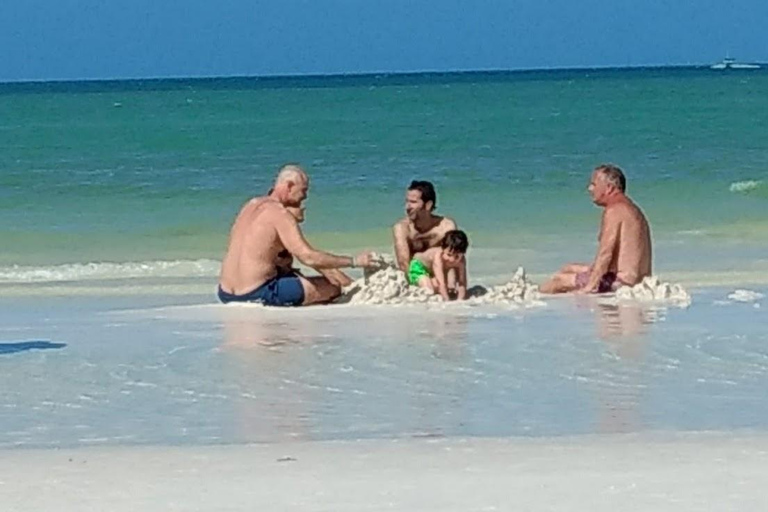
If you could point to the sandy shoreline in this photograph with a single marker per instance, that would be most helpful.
(627, 473)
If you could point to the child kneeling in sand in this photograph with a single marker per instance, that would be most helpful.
(429, 269)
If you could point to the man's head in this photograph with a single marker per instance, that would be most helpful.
(455, 245)
(607, 182)
(291, 185)
(420, 199)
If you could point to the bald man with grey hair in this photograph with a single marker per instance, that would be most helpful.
(624, 253)
(263, 228)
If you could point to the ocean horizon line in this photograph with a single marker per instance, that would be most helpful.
(322, 79)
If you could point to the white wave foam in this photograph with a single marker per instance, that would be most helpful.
(109, 270)
(745, 186)
(745, 296)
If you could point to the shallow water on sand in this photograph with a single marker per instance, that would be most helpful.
(137, 372)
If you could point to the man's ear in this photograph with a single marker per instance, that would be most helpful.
(430, 205)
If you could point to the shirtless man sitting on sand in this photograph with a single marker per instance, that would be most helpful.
(420, 229)
(264, 228)
(624, 253)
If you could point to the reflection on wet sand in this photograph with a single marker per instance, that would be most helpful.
(268, 400)
(297, 377)
(624, 330)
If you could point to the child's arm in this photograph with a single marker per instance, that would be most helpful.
(439, 270)
(461, 278)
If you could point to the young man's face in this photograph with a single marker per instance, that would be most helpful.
(451, 257)
(414, 205)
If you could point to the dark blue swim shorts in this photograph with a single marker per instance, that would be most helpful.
(285, 290)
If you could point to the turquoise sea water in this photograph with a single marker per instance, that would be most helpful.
(136, 177)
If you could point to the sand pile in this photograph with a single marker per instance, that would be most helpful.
(386, 284)
(651, 289)
(517, 290)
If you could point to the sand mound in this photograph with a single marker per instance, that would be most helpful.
(651, 289)
(386, 284)
(517, 290)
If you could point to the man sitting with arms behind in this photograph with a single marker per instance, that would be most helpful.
(264, 228)
(624, 253)
(420, 229)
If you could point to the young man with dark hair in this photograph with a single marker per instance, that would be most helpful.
(421, 229)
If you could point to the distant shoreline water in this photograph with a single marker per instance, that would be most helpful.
(381, 78)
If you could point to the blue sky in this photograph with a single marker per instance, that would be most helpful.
(77, 39)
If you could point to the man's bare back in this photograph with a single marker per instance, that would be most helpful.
(632, 259)
(253, 247)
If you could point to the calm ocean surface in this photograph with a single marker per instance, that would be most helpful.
(144, 178)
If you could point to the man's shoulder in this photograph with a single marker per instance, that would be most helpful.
(270, 205)
(446, 224)
(625, 210)
(627, 205)
(448, 221)
(401, 225)
(265, 209)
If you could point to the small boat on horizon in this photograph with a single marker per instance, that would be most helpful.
(731, 63)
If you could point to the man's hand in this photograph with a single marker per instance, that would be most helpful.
(364, 260)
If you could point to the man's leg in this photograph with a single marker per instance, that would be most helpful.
(337, 277)
(318, 290)
(562, 282)
(566, 279)
(575, 268)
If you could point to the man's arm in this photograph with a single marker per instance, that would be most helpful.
(293, 240)
(609, 239)
(402, 249)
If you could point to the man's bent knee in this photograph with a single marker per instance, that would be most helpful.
(562, 282)
(319, 290)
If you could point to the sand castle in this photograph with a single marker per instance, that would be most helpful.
(386, 284)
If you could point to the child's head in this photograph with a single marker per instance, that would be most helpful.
(454, 244)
